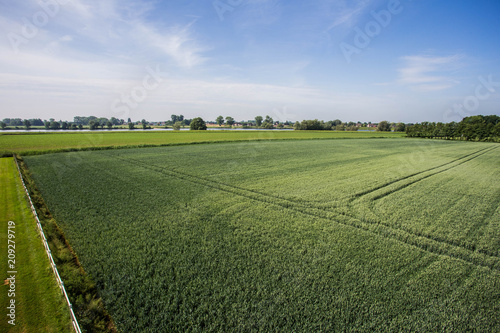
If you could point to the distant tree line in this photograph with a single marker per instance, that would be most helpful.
(474, 128)
(338, 125)
(317, 125)
(18, 122)
(86, 121)
(92, 122)
(259, 122)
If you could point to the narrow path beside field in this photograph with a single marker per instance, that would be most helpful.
(40, 305)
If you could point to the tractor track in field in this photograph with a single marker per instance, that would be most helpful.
(451, 164)
(432, 174)
(432, 244)
(360, 195)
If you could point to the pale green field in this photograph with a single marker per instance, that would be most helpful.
(36, 143)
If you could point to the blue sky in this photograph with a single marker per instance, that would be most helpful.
(361, 60)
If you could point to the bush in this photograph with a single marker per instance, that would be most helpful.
(177, 126)
(198, 124)
(384, 126)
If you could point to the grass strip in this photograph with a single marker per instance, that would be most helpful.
(39, 303)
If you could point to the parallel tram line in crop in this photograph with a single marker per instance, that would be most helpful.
(433, 244)
(489, 214)
(433, 174)
(461, 160)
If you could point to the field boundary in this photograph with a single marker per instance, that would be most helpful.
(60, 283)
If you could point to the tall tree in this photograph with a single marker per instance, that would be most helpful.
(93, 125)
(384, 126)
(268, 123)
(230, 121)
(258, 121)
(220, 120)
(55, 125)
(400, 127)
(198, 124)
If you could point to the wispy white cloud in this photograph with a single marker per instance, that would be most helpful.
(178, 43)
(88, 55)
(348, 13)
(267, 55)
(429, 73)
(111, 29)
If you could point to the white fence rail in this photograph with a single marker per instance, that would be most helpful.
(49, 254)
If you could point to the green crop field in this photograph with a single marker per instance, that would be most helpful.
(36, 143)
(297, 235)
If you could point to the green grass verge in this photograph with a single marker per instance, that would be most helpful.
(40, 306)
(36, 143)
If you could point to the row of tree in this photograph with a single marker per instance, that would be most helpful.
(178, 121)
(22, 122)
(259, 121)
(317, 125)
(86, 121)
(474, 128)
(91, 122)
(338, 125)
